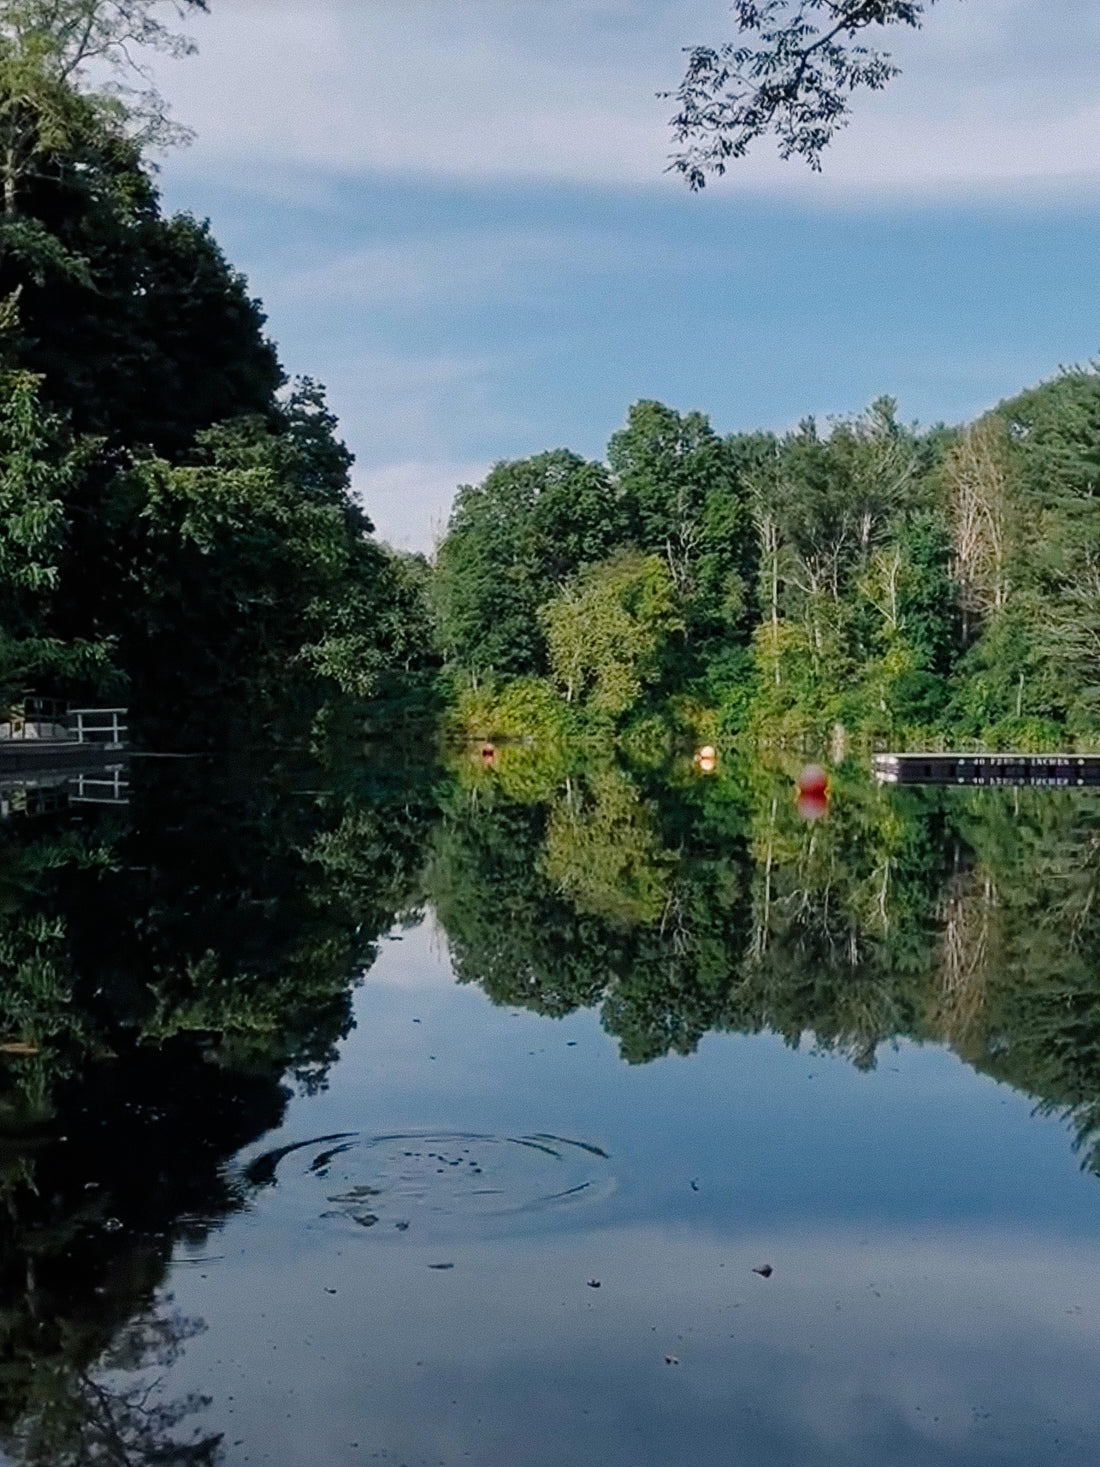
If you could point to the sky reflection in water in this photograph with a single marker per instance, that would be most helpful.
(934, 1296)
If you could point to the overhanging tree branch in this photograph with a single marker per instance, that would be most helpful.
(68, 67)
(792, 75)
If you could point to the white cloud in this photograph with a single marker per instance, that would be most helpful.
(410, 502)
(458, 264)
(997, 94)
(390, 400)
(426, 86)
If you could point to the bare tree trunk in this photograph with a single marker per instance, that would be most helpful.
(978, 480)
(768, 532)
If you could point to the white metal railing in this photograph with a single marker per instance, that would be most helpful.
(48, 720)
(108, 788)
(113, 727)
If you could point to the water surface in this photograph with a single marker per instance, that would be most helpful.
(628, 1121)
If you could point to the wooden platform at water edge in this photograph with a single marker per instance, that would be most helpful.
(1053, 770)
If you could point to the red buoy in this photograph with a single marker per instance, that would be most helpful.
(813, 781)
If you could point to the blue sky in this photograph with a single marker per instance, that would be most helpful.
(456, 215)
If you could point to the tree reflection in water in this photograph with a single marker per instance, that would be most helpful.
(111, 1414)
(162, 979)
(680, 905)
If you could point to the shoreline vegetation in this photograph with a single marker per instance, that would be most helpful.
(862, 586)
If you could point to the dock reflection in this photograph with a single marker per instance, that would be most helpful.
(51, 788)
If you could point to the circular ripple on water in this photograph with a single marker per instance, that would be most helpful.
(438, 1183)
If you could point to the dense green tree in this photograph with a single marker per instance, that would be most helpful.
(1019, 499)
(849, 563)
(39, 464)
(54, 57)
(155, 337)
(685, 489)
(141, 330)
(510, 543)
(247, 585)
(864, 579)
(194, 533)
(607, 629)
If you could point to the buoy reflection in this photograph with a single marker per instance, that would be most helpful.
(813, 806)
(813, 792)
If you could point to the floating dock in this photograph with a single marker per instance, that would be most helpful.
(41, 733)
(1054, 770)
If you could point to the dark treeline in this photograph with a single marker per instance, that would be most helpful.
(893, 584)
(177, 528)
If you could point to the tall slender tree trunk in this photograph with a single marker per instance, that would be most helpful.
(10, 183)
(773, 548)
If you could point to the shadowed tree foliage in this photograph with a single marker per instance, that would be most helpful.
(687, 492)
(180, 526)
(510, 542)
(142, 331)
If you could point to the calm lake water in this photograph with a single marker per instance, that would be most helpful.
(523, 1118)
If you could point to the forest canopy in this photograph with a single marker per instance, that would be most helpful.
(178, 529)
(864, 577)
